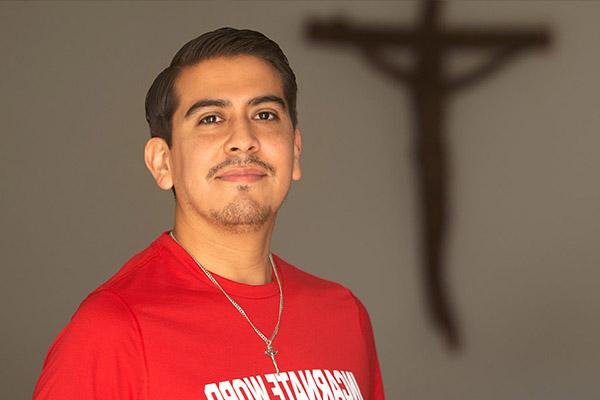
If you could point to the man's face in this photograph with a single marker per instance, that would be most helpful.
(234, 151)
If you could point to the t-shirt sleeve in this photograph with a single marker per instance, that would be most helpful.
(98, 355)
(375, 388)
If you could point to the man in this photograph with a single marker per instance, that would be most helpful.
(206, 311)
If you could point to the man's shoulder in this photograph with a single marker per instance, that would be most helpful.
(324, 294)
(132, 269)
(305, 282)
(150, 273)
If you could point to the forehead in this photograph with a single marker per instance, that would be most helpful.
(231, 78)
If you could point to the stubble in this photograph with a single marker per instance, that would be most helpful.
(242, 215)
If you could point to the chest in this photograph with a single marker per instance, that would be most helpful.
(205, 349)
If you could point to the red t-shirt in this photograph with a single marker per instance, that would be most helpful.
(160, 329)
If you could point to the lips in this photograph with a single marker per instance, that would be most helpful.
(242, 174)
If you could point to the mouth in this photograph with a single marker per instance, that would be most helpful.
(242, 175)
(241, 178)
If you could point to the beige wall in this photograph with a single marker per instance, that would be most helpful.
(76, 200)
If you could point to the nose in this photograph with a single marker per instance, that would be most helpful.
(242, 139)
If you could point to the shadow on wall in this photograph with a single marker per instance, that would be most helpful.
(429, 45)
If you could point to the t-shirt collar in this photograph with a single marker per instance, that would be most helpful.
(232, 288)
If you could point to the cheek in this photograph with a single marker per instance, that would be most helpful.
(281, 151)
(192, 166)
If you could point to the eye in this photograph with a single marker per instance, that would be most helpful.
(210, 119)
(266, 116)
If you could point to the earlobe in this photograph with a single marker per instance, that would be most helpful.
(156, 157)
(297, 170)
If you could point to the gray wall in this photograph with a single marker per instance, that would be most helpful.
(77, 201)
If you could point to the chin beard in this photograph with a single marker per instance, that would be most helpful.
(242, 216)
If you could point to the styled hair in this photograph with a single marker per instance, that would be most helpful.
(161, 99)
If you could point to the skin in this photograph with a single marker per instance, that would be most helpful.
(227, 225)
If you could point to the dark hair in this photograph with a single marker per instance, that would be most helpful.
(161, 99)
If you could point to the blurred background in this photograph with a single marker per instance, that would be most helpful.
(521, 259)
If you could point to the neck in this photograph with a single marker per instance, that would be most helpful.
(241, 257)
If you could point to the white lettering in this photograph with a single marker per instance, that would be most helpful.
(239, 386)
(257, 387)
(211, 391)
(352, 379)
(335, 388)
(276, 390)
(227, 391)
(283, 378)
(322, 384)
(309, 384)
(350, 385)
(297, 386)
(313, 384)
(339, 377)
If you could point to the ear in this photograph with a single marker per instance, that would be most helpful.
(157, 157)
(297, 171)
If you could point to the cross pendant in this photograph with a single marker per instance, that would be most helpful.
(272, 353)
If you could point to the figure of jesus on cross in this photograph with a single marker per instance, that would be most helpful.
(431, 88)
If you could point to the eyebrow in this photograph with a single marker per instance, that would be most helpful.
(224, 103)
(267, 99)
(206, 103)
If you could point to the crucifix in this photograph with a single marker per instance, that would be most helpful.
(271, 352)
(431, 86)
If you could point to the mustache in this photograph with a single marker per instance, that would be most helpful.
(238, 162)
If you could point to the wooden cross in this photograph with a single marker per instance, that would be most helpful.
(431, 87)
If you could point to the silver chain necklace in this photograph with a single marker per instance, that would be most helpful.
(270, 352)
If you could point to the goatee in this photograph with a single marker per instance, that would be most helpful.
(242, 215)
